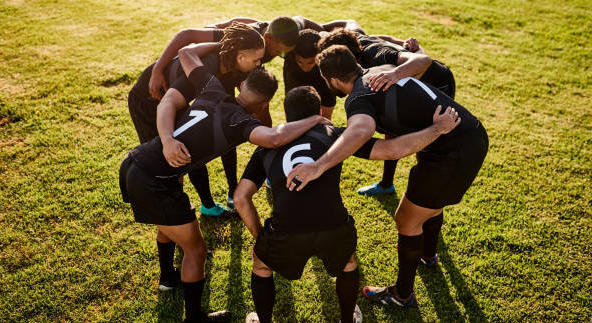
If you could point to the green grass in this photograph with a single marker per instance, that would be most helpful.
(517, 248)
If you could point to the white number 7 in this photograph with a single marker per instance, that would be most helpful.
(198, 116)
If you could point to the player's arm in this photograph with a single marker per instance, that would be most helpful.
(349, 24)
(284, 133)
(181, 39)
(243, 201)
(222, 25)
(327, 112)
(411, 143)
(410, 44)
(264, 116)
(189, 56)
(408, 64)
(360, 128)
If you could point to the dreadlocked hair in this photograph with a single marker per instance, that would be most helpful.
(237, 37)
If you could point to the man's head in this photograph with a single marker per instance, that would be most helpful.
(242, 48)
(281, 36)
(257, 90)
(339, 68)
(306, 49)
(302, 102)
(343, 37)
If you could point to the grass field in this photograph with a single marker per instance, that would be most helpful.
(518, 248)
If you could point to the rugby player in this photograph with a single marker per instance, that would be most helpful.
(410, 60)
(296, 230)
(300, 69)
(444, 171)
(215, 123)
(239, 51)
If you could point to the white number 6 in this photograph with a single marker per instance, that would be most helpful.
(288, 163)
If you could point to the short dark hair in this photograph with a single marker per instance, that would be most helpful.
(306, 46)
(262, 82)
(338, 62)
(343, 37)
(302, 102)
(285, 29)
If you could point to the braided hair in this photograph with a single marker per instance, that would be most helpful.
(237, 37)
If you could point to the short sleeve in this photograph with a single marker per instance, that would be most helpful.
(360, 105)
(190, 87)
(255, 170)
(239, 125)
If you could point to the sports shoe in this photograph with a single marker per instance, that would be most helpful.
(384, 296)
(267, 183)
(357, 315)
(429, 262)
(169, 281)
(376, 188)
(214, 317)
(216, 210)
(230, 202)
(252, 318)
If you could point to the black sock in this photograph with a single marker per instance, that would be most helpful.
(347, 287)
(229, 162)
(201, 181)
(166, 256)
(263, 290)
(388, 173)
(192, 294)
(431, 231)
(410, 248)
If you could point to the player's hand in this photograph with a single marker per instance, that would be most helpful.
(157, 82)
(325, 121)
(446, 121)
(175, 152)
(411, 45)
(302, 175)
(383, 80)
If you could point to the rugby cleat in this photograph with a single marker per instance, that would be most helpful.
(230, 202)
(375, 189)
(169, 281)
(383, 295)
(252, 318)
(217, 317)
(429, 262)
(267, 183)
(216, 210)
(357, 315)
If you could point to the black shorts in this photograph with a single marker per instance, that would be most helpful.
(143, 113)
(441, 179)
(288, 253)
(154, 200)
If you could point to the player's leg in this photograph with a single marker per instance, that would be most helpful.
(431, 232)
(385, 186)
(229, 161)
(200, 179)
(263, 290)
(189, 237)
(347, 286)
(169, 276)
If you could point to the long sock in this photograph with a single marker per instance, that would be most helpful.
(410, 249)
(431, 231)
(201, 181)
(388, 173)
(263, 290)
(347, 287)
(192, 295)
(166, 256)
(229, 162)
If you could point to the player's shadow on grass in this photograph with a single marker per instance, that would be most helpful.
(171, 305)
(236, 288)
(439, 293)
(283, 310)
(388, 202)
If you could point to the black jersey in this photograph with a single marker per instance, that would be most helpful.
(294, 77)
(213, 124)
(406, 107)
(376, 51)
(318, 206)
(175, 78)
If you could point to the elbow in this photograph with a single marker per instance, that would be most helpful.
(425, 60)
(276, 141)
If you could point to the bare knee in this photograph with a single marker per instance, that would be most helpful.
(260, 269)
(351, 265)
(161, 237)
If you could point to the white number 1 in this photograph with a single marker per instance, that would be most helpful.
(198, 116)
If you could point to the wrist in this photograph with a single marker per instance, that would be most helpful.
(438, 129)
(167, 139)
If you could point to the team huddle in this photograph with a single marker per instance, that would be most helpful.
(186, 114)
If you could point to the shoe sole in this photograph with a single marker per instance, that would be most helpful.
(164, 288)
